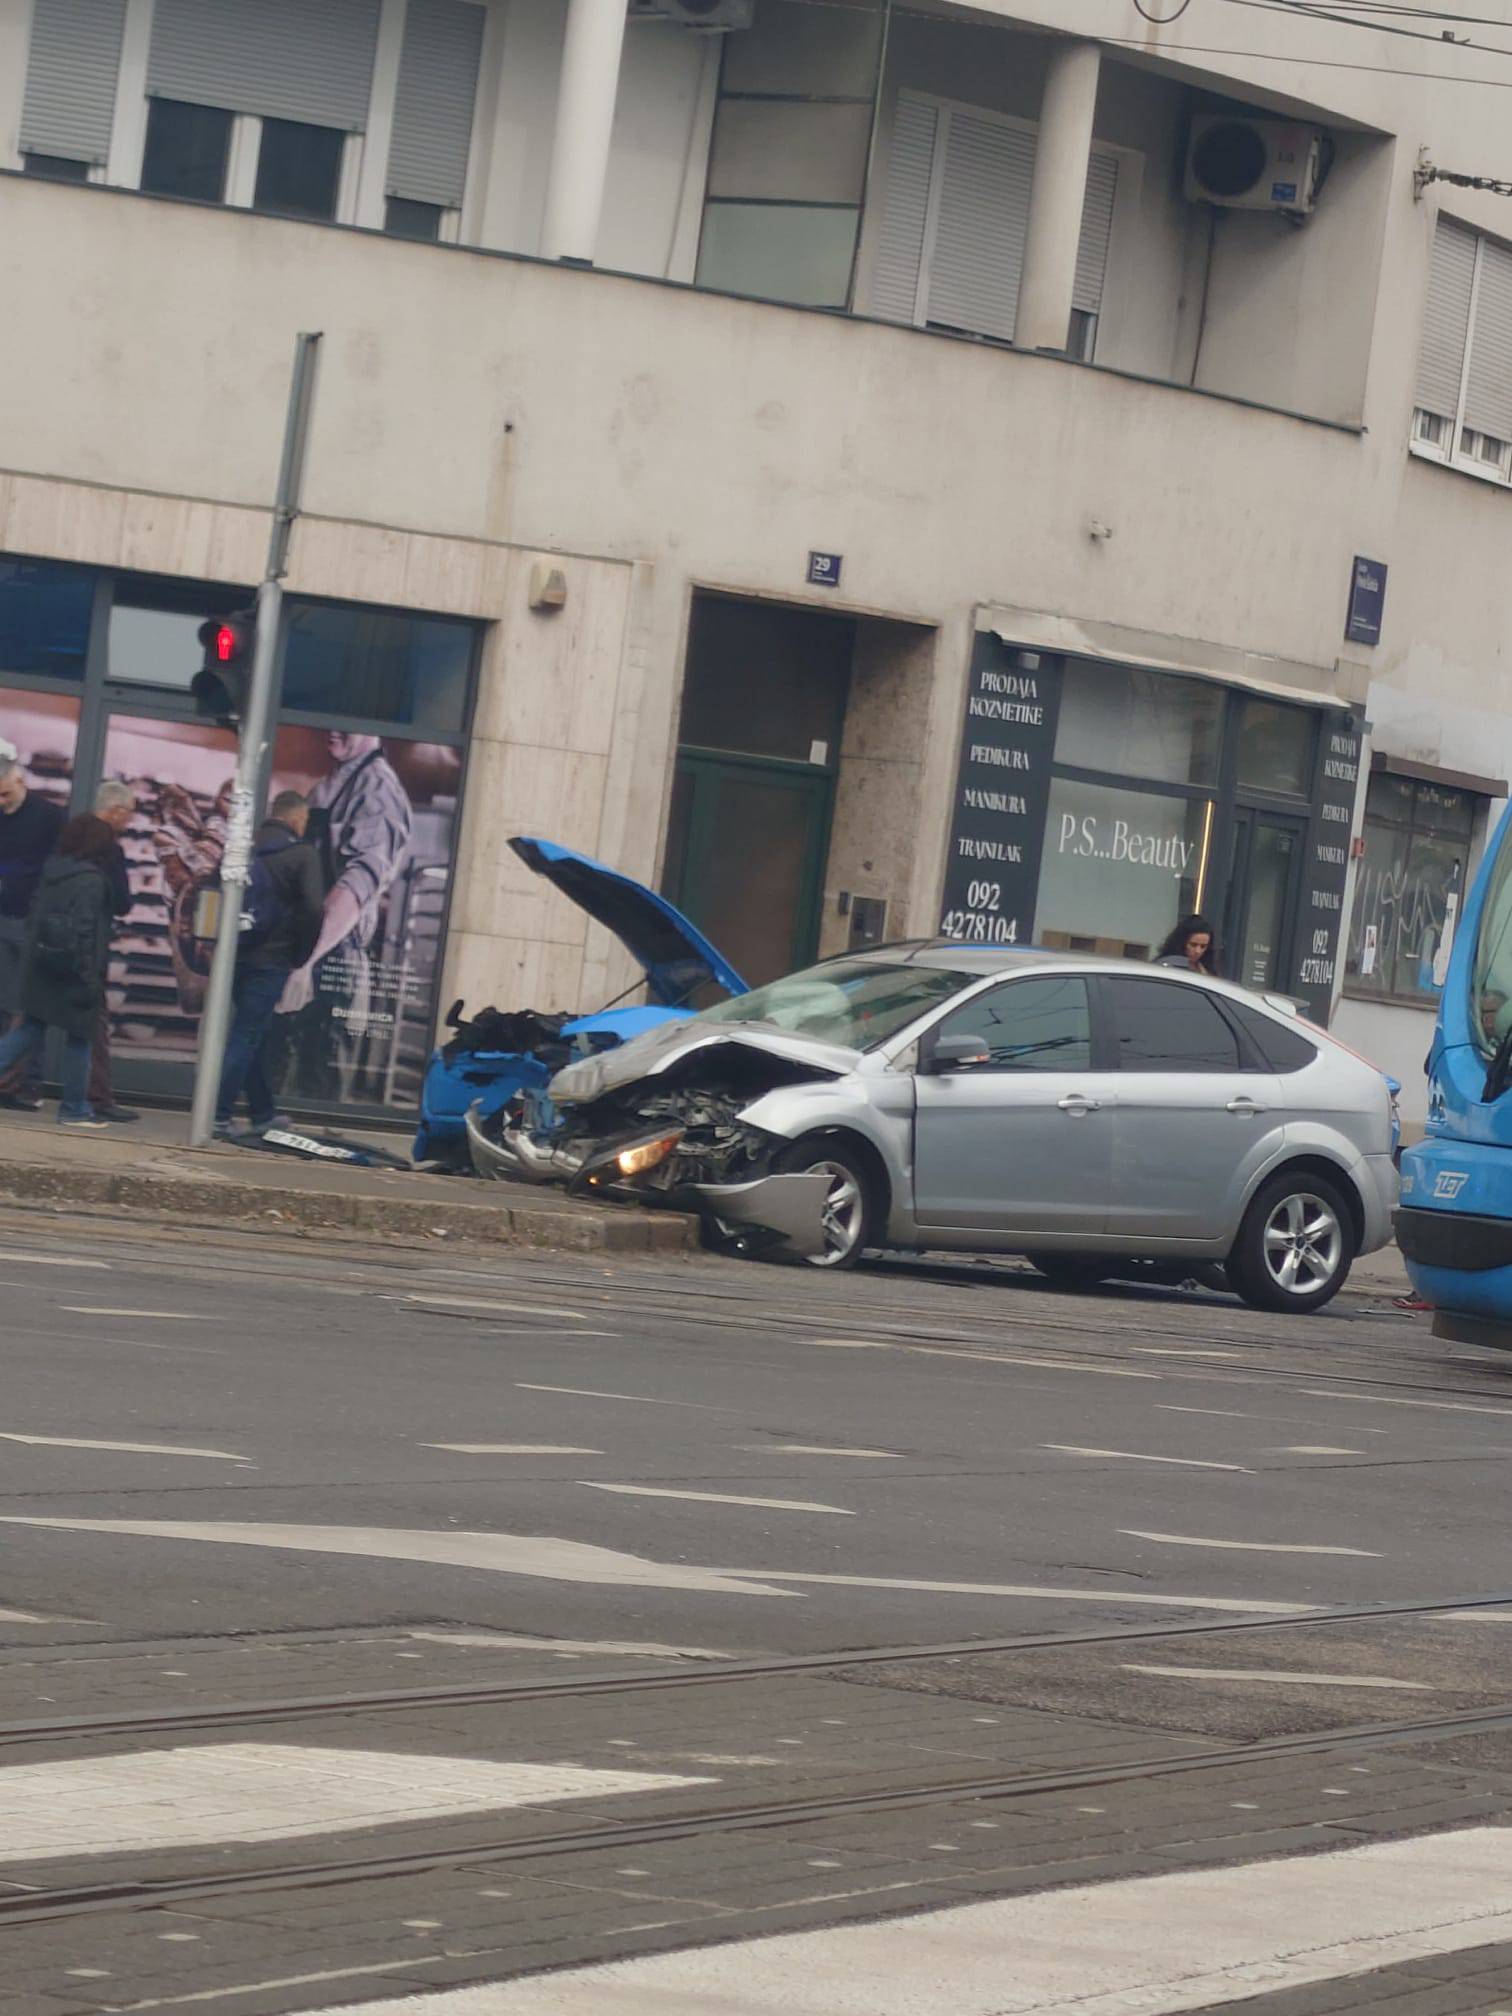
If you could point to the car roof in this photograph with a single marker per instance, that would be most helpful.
(984, 962)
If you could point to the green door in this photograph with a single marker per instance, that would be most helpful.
(745, 857)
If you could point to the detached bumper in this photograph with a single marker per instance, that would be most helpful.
(791, 1207)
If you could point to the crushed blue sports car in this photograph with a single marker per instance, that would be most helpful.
(499, 1052)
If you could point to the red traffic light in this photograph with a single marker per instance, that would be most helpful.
(227, 640)
(220, 685)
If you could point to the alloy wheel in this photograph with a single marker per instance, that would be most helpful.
(1303, 1243)
(844, 1214)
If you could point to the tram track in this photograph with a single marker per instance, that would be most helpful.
(244, 1714)
(142, 1894)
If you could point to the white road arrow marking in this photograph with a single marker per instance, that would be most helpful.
(513, 1448)
(644, 1399)
(1131, 1456)
(1283, 1679)
(566, 1648)
(125, 1448)
(1244, 1546)
(575, 1561)
(816, 1449)
(52, 1260)
(719, 1498)
(496, 1553)
(146, 1315)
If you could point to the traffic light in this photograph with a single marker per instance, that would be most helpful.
(221, 684)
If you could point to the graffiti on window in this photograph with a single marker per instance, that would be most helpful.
(1405, 900)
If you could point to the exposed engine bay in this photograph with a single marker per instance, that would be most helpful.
(677, 1136)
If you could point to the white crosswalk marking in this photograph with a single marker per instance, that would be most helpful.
(270, 1792)
(1151, 1946)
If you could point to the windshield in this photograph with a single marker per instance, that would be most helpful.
(1491, 975)
(850, 1001)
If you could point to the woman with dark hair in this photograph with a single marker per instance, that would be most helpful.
(1191, 946)
(64, 958)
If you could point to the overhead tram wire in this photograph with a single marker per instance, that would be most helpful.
(1142, 44)
(1183, 49)
(1299, 10)
(1368, 7)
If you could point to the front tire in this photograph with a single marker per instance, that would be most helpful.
(1295, 1245)
(850, 1211)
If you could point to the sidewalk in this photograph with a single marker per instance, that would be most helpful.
(148, 1170)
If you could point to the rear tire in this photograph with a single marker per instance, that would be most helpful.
(1295, 1245)
(850, 1213)
(1070, 1270)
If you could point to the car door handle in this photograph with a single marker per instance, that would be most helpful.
(1244, 1104)
(1077, 1102)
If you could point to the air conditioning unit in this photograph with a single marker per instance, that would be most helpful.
(1253, 164)
(715, 17)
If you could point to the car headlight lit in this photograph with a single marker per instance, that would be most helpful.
(646, 1155)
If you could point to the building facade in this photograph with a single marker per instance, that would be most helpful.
(870, 469)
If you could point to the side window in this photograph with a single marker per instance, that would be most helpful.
(1283, 1049)
(1029, 1025)
(1164, 1026)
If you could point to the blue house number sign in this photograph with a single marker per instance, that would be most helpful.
(824, 570)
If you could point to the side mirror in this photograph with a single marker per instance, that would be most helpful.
(956, 1053)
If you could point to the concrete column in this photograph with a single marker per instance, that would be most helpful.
(371, 205)
(1057, 196)
(15, 42)
(128, 125)
(584, 124)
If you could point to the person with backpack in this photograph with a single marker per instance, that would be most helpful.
(63, 960)
(281, 909)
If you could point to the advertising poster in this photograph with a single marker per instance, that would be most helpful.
(357, 1021)
(355, 1027)
(181, 773)
(43, 729)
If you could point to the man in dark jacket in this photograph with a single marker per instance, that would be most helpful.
(265, 961)
(29, 829)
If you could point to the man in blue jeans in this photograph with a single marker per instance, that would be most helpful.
(266, 958)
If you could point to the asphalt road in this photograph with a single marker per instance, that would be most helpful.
(239, 1470)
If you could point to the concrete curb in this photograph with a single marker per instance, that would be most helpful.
(575, 1228)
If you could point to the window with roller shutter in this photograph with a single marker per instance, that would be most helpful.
(1463, 402)
(71, 68)
(433, 113)
(278, 59)
(955, 217)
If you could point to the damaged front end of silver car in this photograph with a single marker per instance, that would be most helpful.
(682, 1147)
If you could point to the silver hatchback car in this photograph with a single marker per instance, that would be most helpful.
(1085, 1112)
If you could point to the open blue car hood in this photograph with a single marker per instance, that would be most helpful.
(677, 958)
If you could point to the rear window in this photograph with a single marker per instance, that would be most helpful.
(1161, 1025)
(1283, 1049)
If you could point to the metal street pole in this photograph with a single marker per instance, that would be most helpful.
(255, 736)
